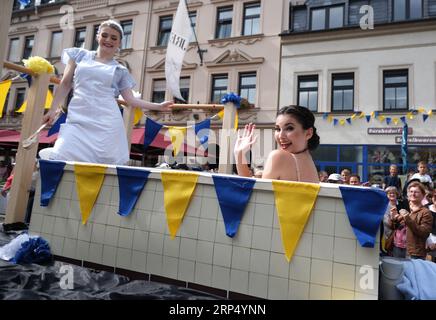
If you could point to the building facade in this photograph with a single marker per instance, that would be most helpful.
(364, 83)
(239, 41)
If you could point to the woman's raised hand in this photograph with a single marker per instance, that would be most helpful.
(245, 139)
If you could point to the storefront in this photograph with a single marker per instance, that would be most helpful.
(372, 162)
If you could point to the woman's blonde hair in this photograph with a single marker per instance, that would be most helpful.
(112, 24)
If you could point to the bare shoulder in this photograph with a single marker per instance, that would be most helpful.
(280, 155)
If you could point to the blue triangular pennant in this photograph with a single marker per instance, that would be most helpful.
(424, 117)
(151, 130)
(51, 174)
(365, 209)
(130, 182)
(368, 118)
(348, 120)
(27, 77)
(403, 120)
(204, 136)
(335, 122)
(325, 116)
(388, 120)
(233, 195)
(57, 125)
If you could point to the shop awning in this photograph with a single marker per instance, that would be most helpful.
(12, 136)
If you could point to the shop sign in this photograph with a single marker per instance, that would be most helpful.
(388, 130)
(417, 140)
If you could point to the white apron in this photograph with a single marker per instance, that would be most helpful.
(94, 130)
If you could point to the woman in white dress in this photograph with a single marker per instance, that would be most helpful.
(94, 130)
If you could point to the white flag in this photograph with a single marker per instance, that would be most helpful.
(177, 46)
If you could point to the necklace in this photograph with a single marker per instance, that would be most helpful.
(305, 149)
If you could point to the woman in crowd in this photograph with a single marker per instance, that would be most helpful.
(392, 227)
(295, 135)
(418, 221)
(94, 130)
(431, 241)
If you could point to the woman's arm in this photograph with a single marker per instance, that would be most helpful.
(130, 99)
(61, 92)
(423, 229)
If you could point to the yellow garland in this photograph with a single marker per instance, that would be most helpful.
(38, 65)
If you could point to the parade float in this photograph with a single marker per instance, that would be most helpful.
(233, 236)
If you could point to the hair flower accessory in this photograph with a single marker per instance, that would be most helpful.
(232, 97)
(38, 65)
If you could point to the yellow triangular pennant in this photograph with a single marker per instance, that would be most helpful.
(89, 179)
(395, 120)
(48, 101)
(361, 115)
(221, 114)
(421, 110)
(4, 89)
(177, 135)
(381, 118)
(178, 189)
(293, 218)
(430, 112)
(138, 115)
(342, 122)
(330, 118)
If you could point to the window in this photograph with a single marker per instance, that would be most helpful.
(224, 22)
(407, 9)
(94, 41)
(159, 88)
(126, 42)
(247, 86)
(165, 24)
(308, 92)
(193, 19)
(219, 87)
(20, 95)
(327, 18)
(79, 39)
(56, 44)
(343, 92)
(184, 90)
(28, 46)
(14, 55)
(251, 24)
(395, 89)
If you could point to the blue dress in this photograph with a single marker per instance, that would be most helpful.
(94, 131)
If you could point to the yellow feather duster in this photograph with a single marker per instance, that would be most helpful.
(38, 65)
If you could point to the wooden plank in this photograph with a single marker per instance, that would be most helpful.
(25, 158)
(226, 149)
(5, 22)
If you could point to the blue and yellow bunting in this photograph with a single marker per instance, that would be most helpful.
(293, 217)
(202, 132)
(131, 182)
(89, 179)
(233, 195)
(178, 190)
(51, 174)
(152, 128)
(365, 209)
(57, 125)
(4, 90)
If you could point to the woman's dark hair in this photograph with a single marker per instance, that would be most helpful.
(305, 117)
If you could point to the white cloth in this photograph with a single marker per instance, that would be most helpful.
(8, 251)
(94, 130)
